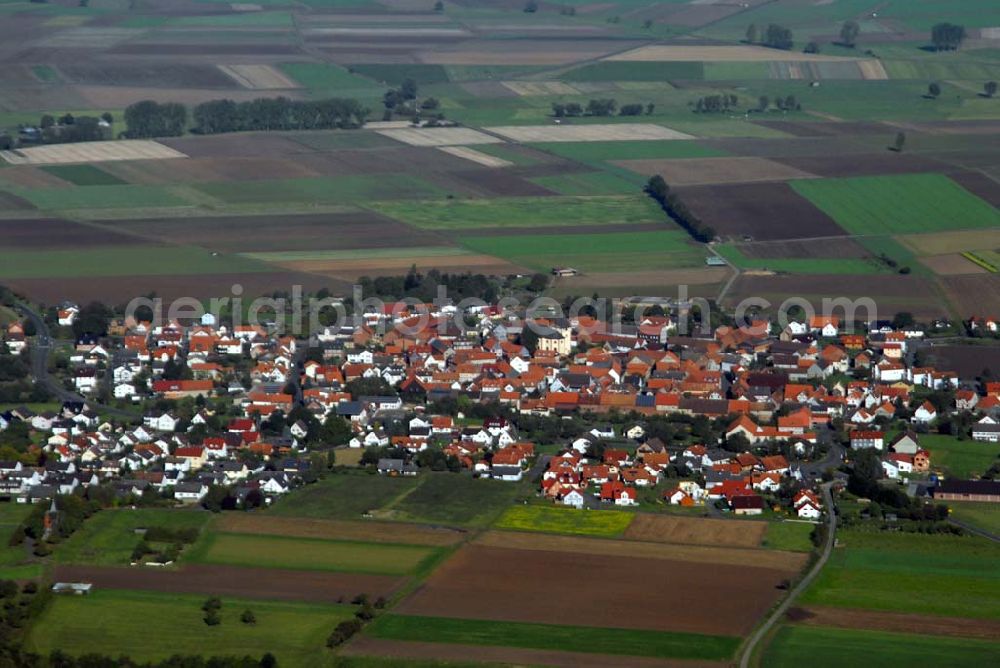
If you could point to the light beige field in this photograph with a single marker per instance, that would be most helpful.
(952, 264)
(704, 171)
(937, 243)
(96, 151)
(401, 33)
(258, 77)
(87, 37)
(872, 70)
(439, 136)
(666, 53)
(475, 156)
(603, 132)
(528, 88)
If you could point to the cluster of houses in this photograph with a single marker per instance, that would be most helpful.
(775, 387)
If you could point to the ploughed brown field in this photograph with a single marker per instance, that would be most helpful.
(121, 289)
(54, 233)
(245, 234)
(844, 128)
(579, 588)
(695, 531)
(285, 585)
(973, 295)
(845, 247)
(869, 164)
(762, 210)
(967, 361)
(898, 622)
(370, 531)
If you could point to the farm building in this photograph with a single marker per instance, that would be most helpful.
(968, 490)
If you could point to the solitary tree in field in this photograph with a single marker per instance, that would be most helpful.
(751, 33)
(990, 88)
(849, 33)
(438, 6)
(899, 142)
(530, 7)
(934, 90)
(763, 103)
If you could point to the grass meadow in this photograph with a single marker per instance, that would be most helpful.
(150, 626)
(796, 646)
(518, 212)
(934, 574)
(790, 536)
(555, 519)
(555, 637)
(960, 459)
(985, 516)
(123, 261)
(108, 538)
(312, 554)
(345, 497)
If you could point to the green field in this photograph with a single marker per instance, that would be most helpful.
(122, 261)
(985, 516)
(345, 496)
(593, 252)
(108, 537)
(309, 554)
(555, 637)
(326, 80)
(555, 519)
(591, 183)
(898, 204)
(791, 536)
(524, 212)
(597, 151)
(797, 646)
(934, 574)
(320, 190)
(16, 561)
(148, 626)
(102, 197)
(960, 459)
(447, 498)
(850, 265)
(83, 175)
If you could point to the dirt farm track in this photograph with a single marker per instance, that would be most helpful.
(481, 582)
(311, 586)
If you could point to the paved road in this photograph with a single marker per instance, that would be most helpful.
(780, 611)
(976, 530)
(40, 351)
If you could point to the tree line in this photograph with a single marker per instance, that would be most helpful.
(658, 189)
(600, 107)
(151, 119)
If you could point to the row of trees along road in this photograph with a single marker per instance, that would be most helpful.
(150, 119)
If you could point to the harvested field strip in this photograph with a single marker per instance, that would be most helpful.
(475, 156)
(595, 132)
(375, 532)
(554, 637)
(898, 204)
(357, 254)
(264, 583)
(610, 70)
(951, 242)
(367, 646)
(439, 136)
(122, 260)
(631, 546)
(528, 88)
(708, 171)
(95, 151)
(810, 265)
(294, 632)
(258, 77)
(695, 531)
(796, 646)
(591, 183)
(972, 257)
(665, 53)
(951, 264)
(524, 212)
(599, 151)
(898, 622)
(310, 554)
(565, 520)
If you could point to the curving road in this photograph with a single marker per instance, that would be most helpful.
(40, 350)
(779, 612)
